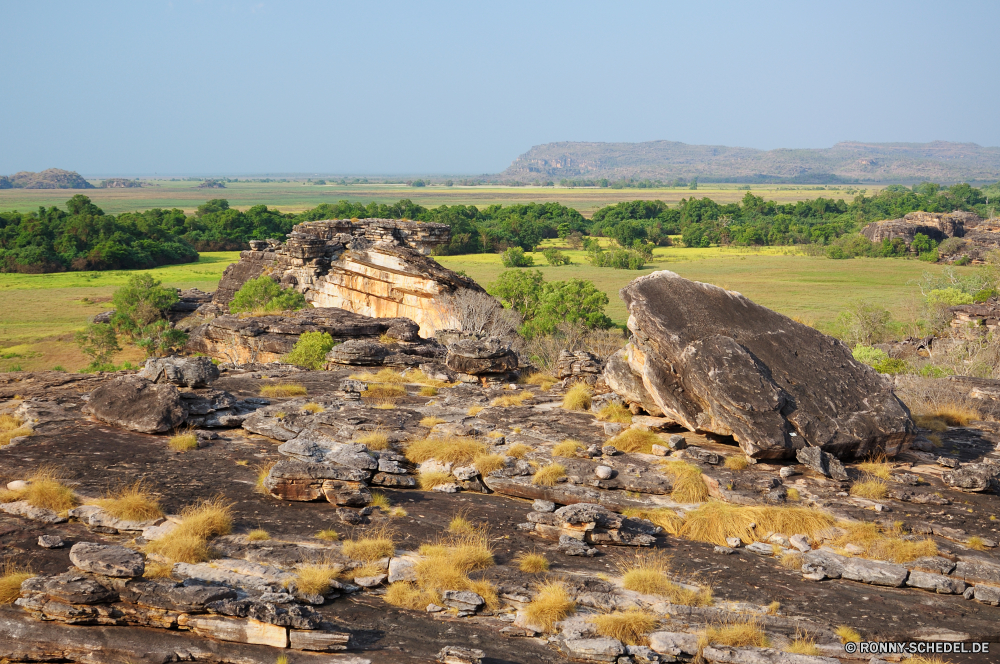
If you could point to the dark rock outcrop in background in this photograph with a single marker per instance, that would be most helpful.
(50, 178)
(968, 235)
(713, 361)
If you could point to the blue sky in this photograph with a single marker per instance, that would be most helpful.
(465, 87)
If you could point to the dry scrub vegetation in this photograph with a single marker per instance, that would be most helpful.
(714, 521)
(634, 440)
(446, 565)
(689, 487)
(511, 400)
(183, 442)
(567, 448)
(551, 604)
(130, 503)
(549, 475)
(375, 544)
(11, 578)
(11, 427)
(649, 573)
(45, 489)
(542, 380)
(455, 449)
(630, 627)
(615, 412)
(282, 390)
(879, 545)
(188, 542)
(578, 397)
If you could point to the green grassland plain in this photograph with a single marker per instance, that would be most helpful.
(297, 196)
(41, 311)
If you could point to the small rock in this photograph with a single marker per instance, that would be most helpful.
(609, 450)
(780, 540)
(526, 527)
(463, 600)
(349, 517)
(853, 549)
(725, 550)
(948, 463)
(788, 471)
(277, 598)
(449, 487)
(969, 593)
(403, 568)
(660, 450)
(733, 542)
(677, 442)
(434, 608)
(50, 542)
(800, 542)
(116, 561)
(465, 472)
(822, 462)
(457, 655)
(370, 581)
(543, 505)
(594, 451)
(760, 549)
(612, 428)
(17, 485)
(604, 472)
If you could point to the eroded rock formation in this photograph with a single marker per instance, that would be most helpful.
(977, 237)
(713, 361)
(375, 267)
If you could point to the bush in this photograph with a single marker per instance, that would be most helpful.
(515, 257)
(950, 297)
(619, 259)
(99, 341)
(264, 294)
(868, 355)
(556, 257)
(139, 303)
(310, 350)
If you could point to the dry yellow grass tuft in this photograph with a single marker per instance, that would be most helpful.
(183, 442)
(791, 561)
(431, 421)
(952, 414)
(474, 410)
(379, 394)
(532, 563)
(847, 634)
(664, 517)
(551, 604)
(157, 570)
(930, 422)
(45, 490)
(649, 574)
(689, 487)
(976, 543)
(258, 535)
(495, 434)
(737, 462)
(397, 512)
(130, 503)
(282, 390)
(407, 595)
(802, 644)
(420, 378)
(315, 579)
(428, 479)
(549, 475)
(263, 471)
(11, 578)
(877, 466)
(11, 427)
(543, 380)
(714, 521)
(381, 501)
(578, 397)
(384, 375)
(876, 544)
(374, 545)
(738, 634)
(428, 391)
(511, 400)
(446, 565)
(374, 440)
(328, 535)
(634, 440)
(615, 412)
(487, 463)
(313, 407)
(459, 525)
(518, 451)
(630, 627)
(188, 543)
(792, 494)
(455, 450)
(567, 448)
(871, 488)
(388, 340)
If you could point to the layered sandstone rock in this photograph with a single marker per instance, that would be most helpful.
(375, 267)
(713, 361)
(935, 225)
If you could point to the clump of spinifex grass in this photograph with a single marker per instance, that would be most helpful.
(446, 565)
(871, 488)
(532, 563)
(282, 390)
(487, 463)
(738, 633)
(428, 479)
(188, 542)
(130, 503)
(689, 487)
(578, 397)
(802, 644)
(551, 604)
(385, 375)
(511, 400)
(314, 579)
(615, 412)
(375, 440)
(431, 421)
(45, 490)
(649, 573)
(12, 427)
(374, 545)
(737, 462)
(258, 535)
(263, 471)
(664, 517)
(715, 521)
(183, 442)
(549, 475)
(567, 448)
(313, 407)
(11, 578)
(631, 626)
(455, 450)
(877, 544)
(543, 380)
(634, 440)
(518, 450)
(877, 466)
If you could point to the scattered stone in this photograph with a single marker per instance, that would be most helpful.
(604, 472)
(609, 450)
(822, 462)
(457, 655)
(50, 542)
(943, 585)
(987, 594)
(725, 550)
(463, 600)
(819, 564)
(434, 608)
(477, 357)
(543, 505)
(760, 549)
(734, 542)
(975, 477)
(612, 428)
(574, 547)
(370, 581)
(947, 462)
(677, 442)
(29, 511)
(660, 450)
(448, 487)
(132, 402)
(801, 542)
(183, 371)
(705, 456)
(788, 471)
(874, 572)
(674, 643)
(114, 561)
(17, 485)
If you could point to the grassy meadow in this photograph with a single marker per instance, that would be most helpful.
(298, 196)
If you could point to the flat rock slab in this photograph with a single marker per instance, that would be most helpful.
(114, 561)
(785, 384)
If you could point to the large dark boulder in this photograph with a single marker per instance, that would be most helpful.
(132, 402)
(184, 371)
(477, 357)
(713, 361)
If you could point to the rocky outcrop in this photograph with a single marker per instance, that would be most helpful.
(132, 402)
(713, 361)
(260, 339)
(375, 267)
(184, 371)
(481, 358)
(937, 226)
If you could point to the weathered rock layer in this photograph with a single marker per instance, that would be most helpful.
(713, 361)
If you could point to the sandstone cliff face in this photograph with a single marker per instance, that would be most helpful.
(713, 361)
(935, 225)
(374, 267)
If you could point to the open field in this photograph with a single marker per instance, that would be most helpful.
(41, 311)
(298, 196)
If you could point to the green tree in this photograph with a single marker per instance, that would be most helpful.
(515, 257)
(100, 342)
(520, 290)
(139, 303)
(160, 338)
(264, 294)
(556, 257)
(574, 301)
(310, 350)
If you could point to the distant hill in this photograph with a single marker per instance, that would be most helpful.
(939, 161)
(50, 178)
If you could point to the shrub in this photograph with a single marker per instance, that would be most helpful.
(258, 535)
(315, 579)
(551, 604)
(714, 521)
(578, 397)
(139, 303)
(44, 490)
(408, 596)
(428, 479)
(737, 462)
(515, 257)
(619, 259)
(556, 257)
(949, 297)
(549, 475)
(869, 355)
(130, 503)
(99, 341)
(263, 295)
(738, 634)
(310, 350)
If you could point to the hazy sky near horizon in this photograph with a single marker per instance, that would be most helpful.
(188, 87)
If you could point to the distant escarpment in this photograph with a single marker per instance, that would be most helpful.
(375, 267)
(50, 178)
(849, 161)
